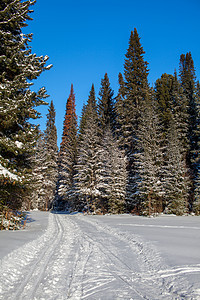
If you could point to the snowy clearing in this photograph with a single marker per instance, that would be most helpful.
(103, 257)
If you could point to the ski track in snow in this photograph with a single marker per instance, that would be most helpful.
(80, 258)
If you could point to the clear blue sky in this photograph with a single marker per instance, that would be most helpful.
(86, 38)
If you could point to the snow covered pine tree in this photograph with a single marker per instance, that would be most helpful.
(67, 156)
(134, 91)
(88, 157)
(18, 68)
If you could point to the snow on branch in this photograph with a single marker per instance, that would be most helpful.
(7, 174)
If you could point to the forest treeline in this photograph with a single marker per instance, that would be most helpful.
(138, 152)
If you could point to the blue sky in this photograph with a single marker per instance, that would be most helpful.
(86, 39)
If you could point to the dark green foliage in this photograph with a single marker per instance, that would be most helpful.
(18, 67)
(150, 159)
(91, 107)
(88, 163)
(106, 106)
(196, 204)
(176, 178)
(51, 157)
(45, 166)
(189, 85)
(173, 114)
(113, 175)
(68, 154)
(133, 93)
(163, 94)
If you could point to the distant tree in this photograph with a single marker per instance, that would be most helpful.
(36, 198)
(163, 94)
(150, 159)
(177, 181)
(106, 106)
(188, 82)
(51, 149)
(172, 103)
(91, 106)
(121, 122)
(112, 175)
(45, 167)
(173, 114)
(196, 204)
(82, 123)
(88, 163)
(68, 153)
(18, 68)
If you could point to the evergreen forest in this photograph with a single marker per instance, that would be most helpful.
(137, 152)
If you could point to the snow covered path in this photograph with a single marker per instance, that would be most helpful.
(102, 257)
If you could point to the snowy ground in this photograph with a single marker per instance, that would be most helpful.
(102, 257)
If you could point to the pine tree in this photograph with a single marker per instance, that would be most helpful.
(121, 122)
(163, 94)
(51, 149)
(188, 82)
(150, 159)
(106, 106)
(133, 93)
(91, 105)
(112, 175)
(18, 68)
(45, 169)
(173, 115)
(196, 204)
(88, 164)
(172, 103)
(82, 123)
(36, 199)
(68, 153)
(177, 181)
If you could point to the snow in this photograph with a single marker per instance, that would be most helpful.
(19, 144)
(36, 224)
(6, 173)
(101, 257)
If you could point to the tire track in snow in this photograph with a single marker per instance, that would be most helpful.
(57, 276)
(29, 287)
(152, 280)
(180, 270)
(75, 289)
(30, 263)
(116, 267)
(125, 274)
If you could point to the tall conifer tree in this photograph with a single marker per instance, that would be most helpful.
(177, 181)
(150, 159)
(188, 82)
(51, 149)
(196, 205)
(45, 170)
(133, 93)
(37, 196)
(173, 115)
(90, 106)
(68, 153)
(88, 164)
(18, 68)
(106, 106)
(113, 174)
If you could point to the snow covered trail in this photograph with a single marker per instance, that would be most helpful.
(79, 257)
(25, 271)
